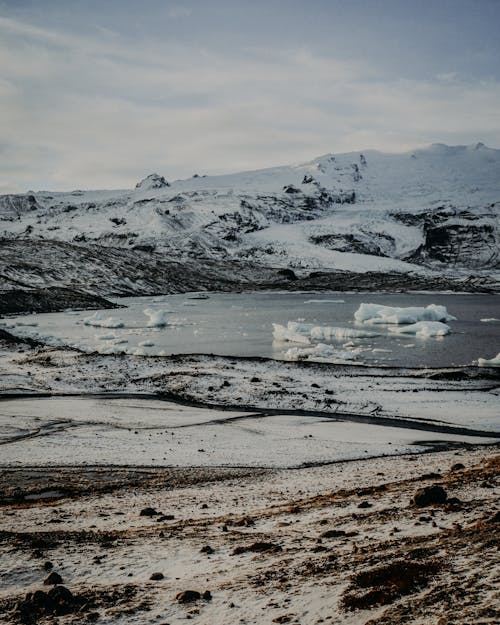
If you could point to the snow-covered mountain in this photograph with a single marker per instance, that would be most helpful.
(430, 209)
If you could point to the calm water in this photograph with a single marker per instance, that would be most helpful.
(241, 325)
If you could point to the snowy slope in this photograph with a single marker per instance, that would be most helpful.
(434, 208)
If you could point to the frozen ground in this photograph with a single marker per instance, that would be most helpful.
(277, 547)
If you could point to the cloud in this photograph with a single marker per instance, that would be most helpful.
(99, 111)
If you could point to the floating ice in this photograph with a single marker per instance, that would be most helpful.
(321, 353)
(146, 344)
(26, 323)
(105, 337)
(97, 321)
(376, 313)
(424, 329)
(327, 333)
(157, 318)
(120, 341)
(325, 301)
(287, 334)
(494, 362)
(489, 319)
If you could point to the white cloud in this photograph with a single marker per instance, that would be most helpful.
(98, 111)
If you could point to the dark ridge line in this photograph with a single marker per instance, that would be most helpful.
(257, 412)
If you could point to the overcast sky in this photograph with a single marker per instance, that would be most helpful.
(97, 94)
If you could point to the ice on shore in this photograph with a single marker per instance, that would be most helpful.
(327, 333)
(97, 321)
(493, 362)
(157, 318)
(377, 313)
(321, 353)
(424, 329)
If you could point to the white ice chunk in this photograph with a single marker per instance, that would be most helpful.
(325, 301)
(376, 313)
(494, 362)
(490, 320)
(424, 329)
(157, 318)
(146, 344)
(97, 321)
(105, 337)
(327, 333)
(320, 353)
(287, 334)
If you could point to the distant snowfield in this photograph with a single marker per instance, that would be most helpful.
(435, 208)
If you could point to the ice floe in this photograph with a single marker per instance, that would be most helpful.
(289, 334)
(328, 333)
(493, 362)
(424, 329)
(325, 301)
(105, 337)
(157, 318)
(490, 320)
(146, 343)
(377, 313)
(321, 353)
(97, 321)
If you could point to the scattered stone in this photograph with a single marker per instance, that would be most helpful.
(365, 504)
(333, 534)
(429, 495)
(284, 618)
(458, 466)
(207, 549)
(207, 595)
(255, 379)
(186, 596)
(156, 577)
(48, 566)
(258, 547)
(148, 512)
(53, 578)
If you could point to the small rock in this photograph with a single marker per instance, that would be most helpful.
(255, 379)
(365, 504)
(333, 534)
(207, 549)
(156, 576)
(186, 596)
(53, 578)
(258, 547)
(148, 512)
(207, 595)
(429, 495)
(48, 566)
(458, 466)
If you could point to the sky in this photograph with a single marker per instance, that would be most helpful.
(98, 94)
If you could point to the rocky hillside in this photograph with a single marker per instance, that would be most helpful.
(431, 212)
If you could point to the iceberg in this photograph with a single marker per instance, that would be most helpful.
(376, 313)
(289, 334)
(328, 333)
(493, 362)
(424, 329)
(157, 318)
(97, 321)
